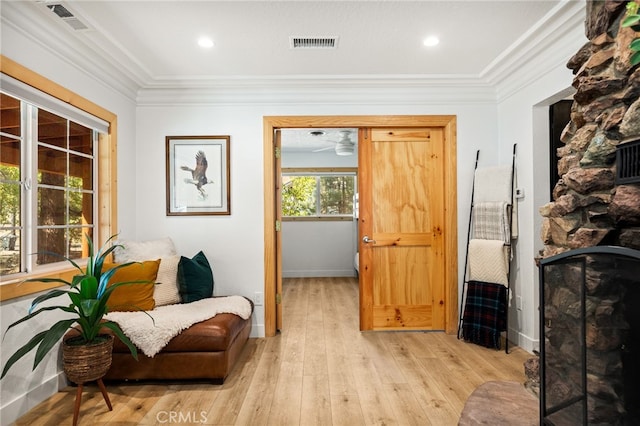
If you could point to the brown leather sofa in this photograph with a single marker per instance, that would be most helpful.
(206, 350)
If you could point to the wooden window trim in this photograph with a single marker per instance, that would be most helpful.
(318, 218)
(107, 177)
(312, 170)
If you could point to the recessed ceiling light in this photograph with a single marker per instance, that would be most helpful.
(431, 41)
(205, 42)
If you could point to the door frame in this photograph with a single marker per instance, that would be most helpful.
(450, 234)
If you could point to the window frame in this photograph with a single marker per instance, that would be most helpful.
(321, 172)
(105, 191)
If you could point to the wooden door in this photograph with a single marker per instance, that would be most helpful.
(402, 212)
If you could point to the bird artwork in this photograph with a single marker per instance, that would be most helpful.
(198, 174)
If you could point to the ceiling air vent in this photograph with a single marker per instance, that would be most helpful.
(63, 13)
(313, 42)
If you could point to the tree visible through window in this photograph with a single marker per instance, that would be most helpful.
(298, 196)
(56, 197)
(336, 195)
(318, 195)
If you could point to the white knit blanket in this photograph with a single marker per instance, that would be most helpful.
(151, 336)
(488, 261)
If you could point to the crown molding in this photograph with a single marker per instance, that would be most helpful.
(545, 47)
(99, 57)
(343, 90)
(26, 18)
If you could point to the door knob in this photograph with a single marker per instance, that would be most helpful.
(368, 240)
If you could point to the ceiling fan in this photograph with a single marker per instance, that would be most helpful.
(344, 146)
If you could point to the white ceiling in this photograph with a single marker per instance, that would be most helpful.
(153, 44)
(156, 40)
(303, 141)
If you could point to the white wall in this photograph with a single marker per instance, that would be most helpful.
(523, 117)
(318, 249)
(23, 389)
(235, 243)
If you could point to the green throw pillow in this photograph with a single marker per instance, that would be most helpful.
(195, 278)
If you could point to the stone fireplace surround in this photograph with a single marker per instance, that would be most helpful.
(589, 208)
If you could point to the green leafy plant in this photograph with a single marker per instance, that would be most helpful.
(88, 293)
(632, 20)
(298, 196)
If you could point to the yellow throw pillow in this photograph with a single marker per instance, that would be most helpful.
(133, 297)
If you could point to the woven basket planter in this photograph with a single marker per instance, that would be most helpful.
(86, 363)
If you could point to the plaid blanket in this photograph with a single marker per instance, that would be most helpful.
(491, 221)
(485, 314)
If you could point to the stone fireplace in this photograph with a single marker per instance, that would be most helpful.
(589, 208)
(589, 311)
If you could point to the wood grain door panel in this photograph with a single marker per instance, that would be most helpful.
(405, 274)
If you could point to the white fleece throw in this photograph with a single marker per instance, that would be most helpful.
(170, 320)
(493, 184)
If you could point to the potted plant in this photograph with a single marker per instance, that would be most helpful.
(88, 294)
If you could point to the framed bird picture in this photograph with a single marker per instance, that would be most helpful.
(198, 175)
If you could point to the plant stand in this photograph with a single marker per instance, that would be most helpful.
(76, 408)
(87, 363)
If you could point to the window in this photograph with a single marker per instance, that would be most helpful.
(22, 87)
(48, 170)
(318, 194)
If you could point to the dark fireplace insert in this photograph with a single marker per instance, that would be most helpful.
(589, 345)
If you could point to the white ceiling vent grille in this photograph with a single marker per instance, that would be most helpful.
(313, 42)
(69, 18)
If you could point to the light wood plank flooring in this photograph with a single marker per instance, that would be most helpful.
(320, 370)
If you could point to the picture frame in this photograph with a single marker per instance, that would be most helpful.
(198, 175)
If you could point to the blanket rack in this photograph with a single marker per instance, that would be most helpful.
(502, 296)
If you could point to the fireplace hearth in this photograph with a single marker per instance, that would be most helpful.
(590, 326)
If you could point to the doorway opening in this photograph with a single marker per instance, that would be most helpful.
(319, 182)
(559, 117)
(272, 199)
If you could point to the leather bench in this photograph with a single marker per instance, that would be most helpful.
(206, 350)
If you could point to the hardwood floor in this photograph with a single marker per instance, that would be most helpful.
(320, 370)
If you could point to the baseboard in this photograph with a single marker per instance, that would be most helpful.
(525, 342)
(257, 330)
(12, 411)
(310, 273)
